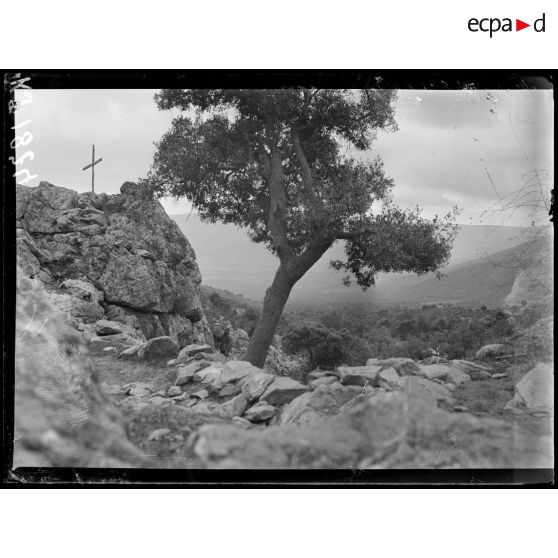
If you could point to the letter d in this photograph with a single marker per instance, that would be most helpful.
(535, 25)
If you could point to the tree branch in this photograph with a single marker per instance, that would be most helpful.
(278, 206)
(315, 204)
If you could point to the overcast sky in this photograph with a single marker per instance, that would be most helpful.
(468, 148)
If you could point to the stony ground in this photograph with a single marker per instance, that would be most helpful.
(355, 418)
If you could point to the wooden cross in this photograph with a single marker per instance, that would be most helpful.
(92, 165)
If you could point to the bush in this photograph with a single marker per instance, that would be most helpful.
(324, 347)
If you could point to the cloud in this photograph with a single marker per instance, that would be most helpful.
(465, 147)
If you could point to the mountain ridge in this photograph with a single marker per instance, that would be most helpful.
(228, 260)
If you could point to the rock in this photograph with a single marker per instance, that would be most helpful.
(212, 357)
(461, 409)
(474, 370)
(205, 408)
(358, 375)
(261, 412)
(115, 338)
(426, 390)
(201, 394)
(318, 374)
(174, 391)
(499, 376)
(323, 401)
(242, 422)
(88, 312)
(160, 400)
(191, 350)
(433, 371)
(283, 390)
(137, 391)
(236, 370)
(229, 390)
(106, 327)
(110, 349)
(141, 385)
(390, 379)
(457, 377)
(324, 381)
(158, 347)
(185, 374)
(491, 351)
(210, 376)
(235, 407)
(534, 393)
(113, 389)
(255, 385)
(158, 434)
(402, 365)
(83, 289)
(131, 352)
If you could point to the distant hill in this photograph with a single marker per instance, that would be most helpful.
(229, 260)
(489, 279)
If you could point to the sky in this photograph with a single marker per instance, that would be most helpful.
(470, 148)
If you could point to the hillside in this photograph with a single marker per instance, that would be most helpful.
(489, 279)
(229, 260)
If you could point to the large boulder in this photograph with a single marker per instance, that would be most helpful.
(123, 246)
(534, 393)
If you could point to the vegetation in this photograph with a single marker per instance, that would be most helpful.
(279, 163)
(448, 330)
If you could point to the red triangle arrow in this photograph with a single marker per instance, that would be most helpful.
(519, 25)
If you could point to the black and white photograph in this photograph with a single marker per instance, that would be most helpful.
(292, 274)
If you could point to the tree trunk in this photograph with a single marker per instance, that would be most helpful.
(274, 302)
(289, 272)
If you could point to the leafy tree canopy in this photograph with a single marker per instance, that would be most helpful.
(279, 162)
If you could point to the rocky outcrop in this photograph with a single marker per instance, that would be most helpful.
(534, 393)
(116, 257)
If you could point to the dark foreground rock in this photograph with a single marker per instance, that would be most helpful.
(62, 416)
(383, 431)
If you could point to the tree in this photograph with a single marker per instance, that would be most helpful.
(325, 347)
(278, 162)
